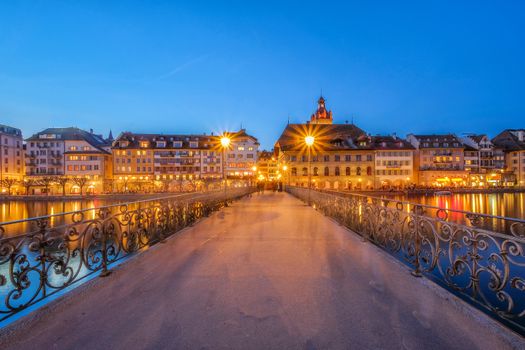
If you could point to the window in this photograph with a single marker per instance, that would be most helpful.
(358, 158)
(326, 158)
(161, 144)
(337, 158)
(294, 171)
(316, 171)
(240, 148)
(358, 171)
(305, 172)
(337, 171)
(143, 144)
(348, 158)
(347, 171)
(326, 171)
(369, 171)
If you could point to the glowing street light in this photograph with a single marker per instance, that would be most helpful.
(309, 141)
(225, 143)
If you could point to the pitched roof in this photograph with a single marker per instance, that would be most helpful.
(438, 141)
(327, 136)
(71, 134)
(388, 142)
(509, 140)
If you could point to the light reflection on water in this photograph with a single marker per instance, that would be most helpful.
(499, 204)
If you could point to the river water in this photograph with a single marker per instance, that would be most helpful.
(500, 204)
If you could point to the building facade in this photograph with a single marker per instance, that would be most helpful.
(439, 160)
(156, 162)
(394, 162)
(11, 158)
(267, 167)
(71, 153)
(341, 156)
(241, 157)
(512, 142)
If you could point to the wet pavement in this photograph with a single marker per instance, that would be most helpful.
(266, 273)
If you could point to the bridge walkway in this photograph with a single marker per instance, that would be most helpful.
(267, 272)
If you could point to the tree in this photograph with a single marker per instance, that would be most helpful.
(28, 183)
(8, 183)
(46, 181)
(80, 182)
(62, 181)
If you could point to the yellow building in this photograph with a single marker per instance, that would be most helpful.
(340, 156)
(11, 159)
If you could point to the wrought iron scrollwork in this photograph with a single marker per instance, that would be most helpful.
(42, 256)
(479, 257)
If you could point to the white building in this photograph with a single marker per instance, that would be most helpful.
(242, 155)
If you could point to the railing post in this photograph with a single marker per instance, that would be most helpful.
(105, 272)
(417, 243)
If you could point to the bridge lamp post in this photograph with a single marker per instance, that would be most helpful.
(309, 141)
(225, 143)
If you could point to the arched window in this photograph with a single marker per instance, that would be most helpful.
(369, 170)
(294, 171)
(305, 172)
(358, 171)
(316, 171)
(326, 171)
(337, 171)
(347, 171)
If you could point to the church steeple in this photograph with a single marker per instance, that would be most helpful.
(321, 116)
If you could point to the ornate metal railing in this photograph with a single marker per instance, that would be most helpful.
(453, 248)
(45, 255)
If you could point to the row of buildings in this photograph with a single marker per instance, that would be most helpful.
(46, 161)
(340, 156)
(343, 156)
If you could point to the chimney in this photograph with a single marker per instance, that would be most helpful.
(90, 131)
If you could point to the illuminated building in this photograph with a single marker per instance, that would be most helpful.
(483, 161)
(341, 156)
(70, 153)
(512, 142)
(267, 168)
(439, 160)
(148, 162)
(394, 162)
(241, 156)
(11, 153)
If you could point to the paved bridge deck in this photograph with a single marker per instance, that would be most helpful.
(265, 273)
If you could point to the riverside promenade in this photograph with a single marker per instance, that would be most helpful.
(267, 272)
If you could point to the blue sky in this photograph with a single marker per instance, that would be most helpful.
(197, 66)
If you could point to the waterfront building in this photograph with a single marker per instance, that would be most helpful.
(483, 161)
(157, 162)
(241, 156)
(439, 160)
(80, 157)
(267, 167)
(512, 142)
(11, 158)
(341, 156)
(394, 162)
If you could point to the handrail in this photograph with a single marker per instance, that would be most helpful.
(341, 193)
(483, 267)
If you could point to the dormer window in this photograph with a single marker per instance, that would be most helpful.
(143, 144)
(123, 143)
(194, 144)
(161, 144)
(177, 144)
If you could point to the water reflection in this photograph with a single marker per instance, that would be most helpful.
(500, 204)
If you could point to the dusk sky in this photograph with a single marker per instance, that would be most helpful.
(196, 66)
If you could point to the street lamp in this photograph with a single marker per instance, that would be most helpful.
(309, 141)
(225, 143)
